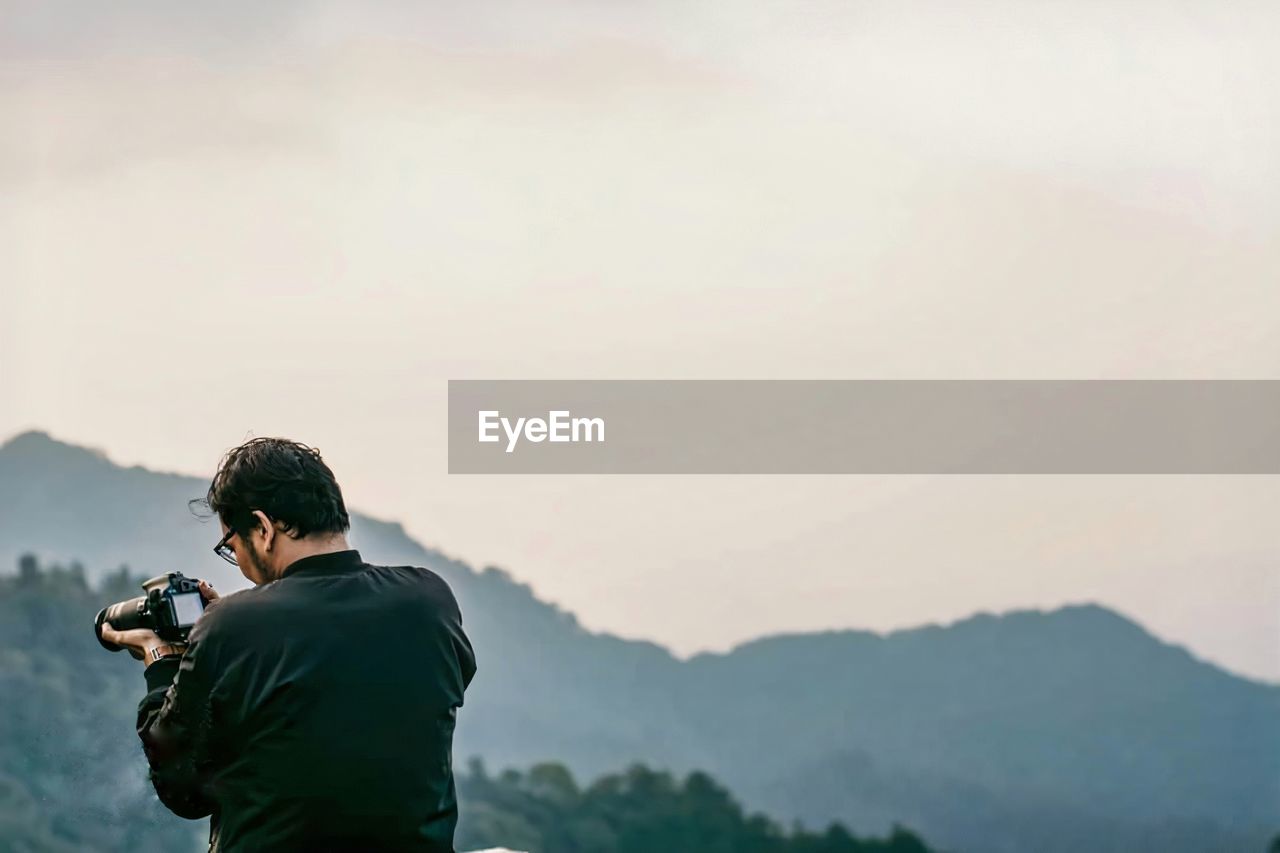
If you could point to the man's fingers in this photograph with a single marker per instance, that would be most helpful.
(127, 637)
(135, 640)
(207, 591)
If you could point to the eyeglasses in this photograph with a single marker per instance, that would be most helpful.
(224, 550)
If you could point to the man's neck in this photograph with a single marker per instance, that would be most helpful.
(311, 546)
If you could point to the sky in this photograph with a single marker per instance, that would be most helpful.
(227, 221)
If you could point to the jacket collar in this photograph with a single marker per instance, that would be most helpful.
(332, 563)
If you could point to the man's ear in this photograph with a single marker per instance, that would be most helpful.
(268, 529)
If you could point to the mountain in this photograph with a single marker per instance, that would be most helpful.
(548, 688)
(1064, 730)
(1053, 730)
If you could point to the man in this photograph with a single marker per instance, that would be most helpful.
(315, 711)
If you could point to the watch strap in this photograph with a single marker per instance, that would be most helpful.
(167, 650)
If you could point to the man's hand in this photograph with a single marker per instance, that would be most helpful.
(138, 641)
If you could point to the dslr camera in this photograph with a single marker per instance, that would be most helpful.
(172, 604)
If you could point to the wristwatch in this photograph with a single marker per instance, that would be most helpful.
(167, 650)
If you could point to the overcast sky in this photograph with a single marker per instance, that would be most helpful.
(221, 221)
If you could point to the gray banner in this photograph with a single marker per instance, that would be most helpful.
(864, 427)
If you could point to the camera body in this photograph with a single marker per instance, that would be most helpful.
(171, 605)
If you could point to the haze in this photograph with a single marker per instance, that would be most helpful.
(303, 220)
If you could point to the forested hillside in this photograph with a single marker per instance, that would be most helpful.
(72, 776)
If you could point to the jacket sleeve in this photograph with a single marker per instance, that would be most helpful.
(175, 725)
(466, 657)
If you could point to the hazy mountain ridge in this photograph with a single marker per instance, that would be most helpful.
(1072, 718)
(1026, 730)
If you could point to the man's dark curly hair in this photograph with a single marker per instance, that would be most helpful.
(285, 479)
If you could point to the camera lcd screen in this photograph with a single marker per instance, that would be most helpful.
(187, 608)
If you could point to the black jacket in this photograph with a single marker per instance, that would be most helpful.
(316, 712)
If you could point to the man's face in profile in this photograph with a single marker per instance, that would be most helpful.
(250, 561)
